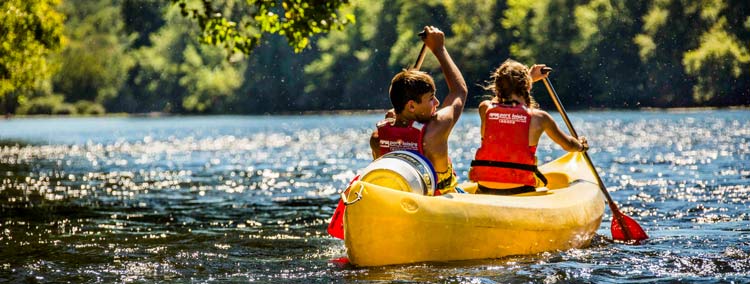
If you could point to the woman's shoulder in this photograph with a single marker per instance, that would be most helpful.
(538, 112)
(540, 115)
(485, 103)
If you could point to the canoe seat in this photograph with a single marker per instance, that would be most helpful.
(557, 180)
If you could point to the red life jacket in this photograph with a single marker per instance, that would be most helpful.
(505, 155)
(409, 138)
(394, 138)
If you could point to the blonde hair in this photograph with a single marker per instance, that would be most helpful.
(511, 78)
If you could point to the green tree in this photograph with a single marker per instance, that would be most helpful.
(479, 42)
(669, 29)
(351, 69)
(210, 81)
(297, 20)
(370, 86)
(542, 32)
(605, 48)
(29, 31)
(354, 67)
(412, 17)
(274, 80)
(145, 55)
(697, 57)
(721, 57)
(94, 64)
(142, 17)
(176, 74)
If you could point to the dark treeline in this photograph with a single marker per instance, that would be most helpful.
(139, 56)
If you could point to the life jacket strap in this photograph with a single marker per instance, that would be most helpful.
(445, 183)
(508, 165)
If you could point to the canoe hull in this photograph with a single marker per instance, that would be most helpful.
(393, 227)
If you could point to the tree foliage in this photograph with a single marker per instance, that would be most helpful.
(243, 30)
(29, 31)
(145, 56)
(175, 73)
(94, 64)
(718, 52)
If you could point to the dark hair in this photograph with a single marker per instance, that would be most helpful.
(511, 78)
(409, 85)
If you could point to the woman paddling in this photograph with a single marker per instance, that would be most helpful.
(512, 124)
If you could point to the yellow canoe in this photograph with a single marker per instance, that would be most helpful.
(385, 226)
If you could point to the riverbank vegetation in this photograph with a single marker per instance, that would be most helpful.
(141, 56)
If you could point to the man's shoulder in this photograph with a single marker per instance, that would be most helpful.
(440, 123)
(385, 121)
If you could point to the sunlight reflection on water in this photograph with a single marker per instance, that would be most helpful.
(248, 199)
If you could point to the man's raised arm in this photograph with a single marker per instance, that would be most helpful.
(453, 104)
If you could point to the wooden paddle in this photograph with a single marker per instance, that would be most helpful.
(336, 227)
(623, 227)
(422, 53)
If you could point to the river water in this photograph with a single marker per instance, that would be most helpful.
(248, 198)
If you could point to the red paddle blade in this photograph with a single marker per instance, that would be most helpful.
(336, 227)
(341, 262)
(625, 228)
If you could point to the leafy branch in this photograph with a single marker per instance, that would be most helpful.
(297, 20)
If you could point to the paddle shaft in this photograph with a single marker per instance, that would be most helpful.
(561, 109)
(422, 53)
(420, 59)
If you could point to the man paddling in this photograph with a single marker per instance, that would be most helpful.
(416, 123)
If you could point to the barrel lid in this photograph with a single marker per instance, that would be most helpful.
(421, 163)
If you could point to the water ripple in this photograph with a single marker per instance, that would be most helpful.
(248, 198)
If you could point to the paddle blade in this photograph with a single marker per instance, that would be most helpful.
(336, 227)
(626, 229)
(341, 262)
